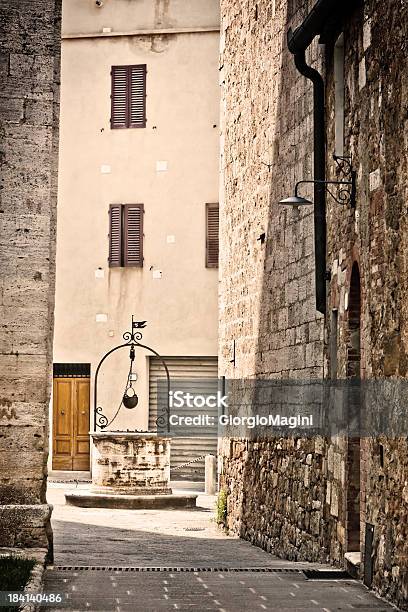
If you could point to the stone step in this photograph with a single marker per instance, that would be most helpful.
(68, 476)
(352, 564)
(88, 499)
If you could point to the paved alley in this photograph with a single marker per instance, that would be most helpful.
(178, 560)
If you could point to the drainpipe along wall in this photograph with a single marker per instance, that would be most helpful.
(319, 167)
(323, 15)
(298, 42)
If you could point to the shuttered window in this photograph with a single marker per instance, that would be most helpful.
(115, 235)
(128, 96)
(133, 234)
(212, 232)
(126, 235)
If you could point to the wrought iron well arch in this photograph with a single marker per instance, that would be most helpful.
(132, 340)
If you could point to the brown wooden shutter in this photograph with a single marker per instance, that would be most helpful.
(133, 235)
(120, 103)
(212, 239)
(128, 107)
(137, 99)
(115, 235)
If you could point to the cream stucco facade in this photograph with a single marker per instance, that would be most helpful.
(171, 166)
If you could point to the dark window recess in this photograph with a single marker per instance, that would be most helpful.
(126, 235)
(128, 97)
(72, 370)
(212, 240)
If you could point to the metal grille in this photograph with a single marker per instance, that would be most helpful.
(72, 370)
(107, 568)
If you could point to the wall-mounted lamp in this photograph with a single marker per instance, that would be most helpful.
(296, 200)
(346, 192)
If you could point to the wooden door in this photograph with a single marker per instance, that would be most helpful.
(71, 424)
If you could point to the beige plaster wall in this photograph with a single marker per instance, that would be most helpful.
(182, 130)
(84, 17)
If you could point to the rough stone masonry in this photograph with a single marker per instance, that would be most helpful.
(312, 499)
(29, 110)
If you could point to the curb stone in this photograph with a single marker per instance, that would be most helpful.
(36, 580)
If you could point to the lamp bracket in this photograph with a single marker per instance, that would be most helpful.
(344, 169)
(346, 186)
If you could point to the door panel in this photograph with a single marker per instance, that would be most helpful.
(62, 394)
(81, 425)
(63, 447)
(62, 444)
(71, 424)
(82, 413)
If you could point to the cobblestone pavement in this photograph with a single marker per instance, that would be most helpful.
(123, 547)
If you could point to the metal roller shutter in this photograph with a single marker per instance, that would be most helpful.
(184, 450)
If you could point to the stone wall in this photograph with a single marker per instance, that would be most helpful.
(292, 497)
(29, 105)
(267, 301)
(267, 291)
(374, 238)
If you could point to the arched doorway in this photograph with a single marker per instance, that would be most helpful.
(354, 414)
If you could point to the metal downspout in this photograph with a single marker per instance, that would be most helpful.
(319, 165)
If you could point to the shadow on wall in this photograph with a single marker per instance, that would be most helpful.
(279, 493)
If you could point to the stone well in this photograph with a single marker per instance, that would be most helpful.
(130, 463)
(130, 471)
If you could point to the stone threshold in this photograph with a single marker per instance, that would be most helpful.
(68, 476)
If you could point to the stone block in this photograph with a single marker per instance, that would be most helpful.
(25, 526)
(11, 109)
(334, 502)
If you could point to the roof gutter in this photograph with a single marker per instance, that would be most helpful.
(321, 14)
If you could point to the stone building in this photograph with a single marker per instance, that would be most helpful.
(137, 212)
(301, 301)
(29, 109)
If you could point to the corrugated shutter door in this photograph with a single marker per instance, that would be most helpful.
(119, 111)
(184, 450)
(133, 236)
(212, 239)
(137, 96)
(115, 235)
